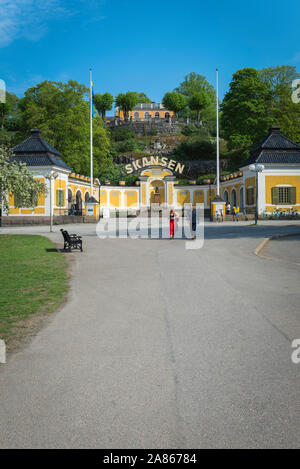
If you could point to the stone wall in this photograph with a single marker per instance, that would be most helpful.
(149, 127)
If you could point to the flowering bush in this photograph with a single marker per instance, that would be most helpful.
(17, 180)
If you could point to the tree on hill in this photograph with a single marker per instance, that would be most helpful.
(194, 83)
(198, 101)
(174, 101)
(143, 98)
(10, 112)
(61, 112)
(283, 110)
(245, 109)
(195, 149)
(103, 103)
(127, 102)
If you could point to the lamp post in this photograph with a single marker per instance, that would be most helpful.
(257, 168)
(50, 176)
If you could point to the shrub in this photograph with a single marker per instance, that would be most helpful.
(195, 150)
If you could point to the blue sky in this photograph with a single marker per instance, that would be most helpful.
(142, 45)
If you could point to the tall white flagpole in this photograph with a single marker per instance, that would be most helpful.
(218, 144)
(91, 132)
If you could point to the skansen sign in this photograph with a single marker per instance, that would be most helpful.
(148, 161)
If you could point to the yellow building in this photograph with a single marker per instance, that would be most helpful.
(277, 185)
(146, 111)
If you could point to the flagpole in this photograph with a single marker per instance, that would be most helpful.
(91, 131)
(218, 144)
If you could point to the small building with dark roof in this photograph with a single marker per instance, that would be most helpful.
(70, 192)
(278, 182)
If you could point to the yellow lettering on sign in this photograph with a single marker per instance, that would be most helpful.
(145, 162)
(179, 168)
(171, 164)
(154, 160)
(128, 168)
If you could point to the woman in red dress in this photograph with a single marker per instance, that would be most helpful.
(173, 220)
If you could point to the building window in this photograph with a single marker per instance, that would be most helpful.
(167, 115)
(157, 115)
(60, 198)
(136, 115)
(250, 196)
(147, 115)
(283, 195)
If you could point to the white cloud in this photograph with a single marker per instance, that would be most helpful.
(28, 18)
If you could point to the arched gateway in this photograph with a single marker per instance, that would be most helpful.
(159, 182)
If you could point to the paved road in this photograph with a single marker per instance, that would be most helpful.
(284, 249)
(165, 347)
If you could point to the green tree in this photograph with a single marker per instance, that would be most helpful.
(245, 109)
(103, 103)
(16, 179)
(5, 110)
(143, 98)
(127, 102)
(198, 102)
(174, 101)
(61, 112)
(283, 110)
(195, 149)
(10, 112)
(194, 83)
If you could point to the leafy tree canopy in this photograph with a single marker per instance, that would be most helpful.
(283, 111)
(174, 101)
(60, 111)
(196, 83)
(195, 149)
(127, 102)
(143, 98)
(10, 112)
(103, 103)
(245, 108)
(199, 101)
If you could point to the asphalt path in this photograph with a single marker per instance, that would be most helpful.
(159, 346)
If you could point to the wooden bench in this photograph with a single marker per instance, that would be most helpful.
(71, 241)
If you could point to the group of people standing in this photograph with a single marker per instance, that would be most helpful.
(174, 217)
(234, 211)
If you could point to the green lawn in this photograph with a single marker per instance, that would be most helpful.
(33, 279)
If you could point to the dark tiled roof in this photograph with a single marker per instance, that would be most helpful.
(275, 149)
(35, 151)
(274, 158)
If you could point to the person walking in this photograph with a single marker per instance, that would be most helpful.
(173, 221)
(236, 211)
(194, 221)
